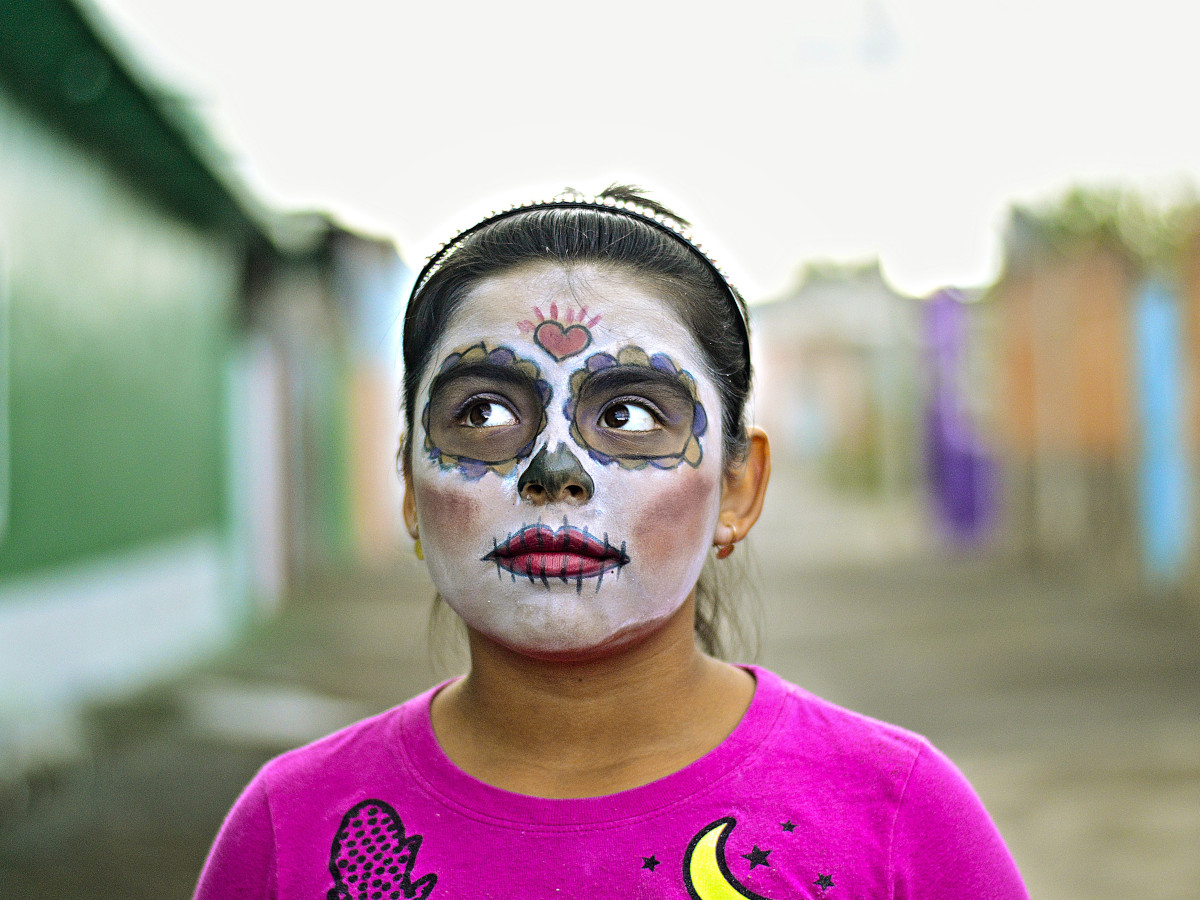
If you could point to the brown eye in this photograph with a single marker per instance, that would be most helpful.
(488, 414)
(625, 416)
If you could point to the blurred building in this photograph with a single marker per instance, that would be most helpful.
(318, 361)
(838, 387)
(1098, 348)
(193, 402)
(1055, 415)
(1068, 423)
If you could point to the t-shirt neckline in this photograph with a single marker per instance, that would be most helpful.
(423, 756)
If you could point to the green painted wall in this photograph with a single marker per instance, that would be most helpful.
(118, 320)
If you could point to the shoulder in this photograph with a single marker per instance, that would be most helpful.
(278, 833)
(932, 826)
(944, 842)
(366, 745)
(850, 746)
(252, 847)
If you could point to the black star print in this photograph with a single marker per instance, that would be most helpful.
(649, 862)
(824, 881)
(757, 857)
(788, 826)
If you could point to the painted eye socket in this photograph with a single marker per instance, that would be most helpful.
(485, 413)
(632, 412)
(483, 418)
(627, 415)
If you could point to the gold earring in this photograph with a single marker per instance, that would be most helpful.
(417, 549)
(723, 550)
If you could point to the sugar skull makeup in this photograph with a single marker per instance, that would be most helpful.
(486, 407)
(662, 427)
(564, 499)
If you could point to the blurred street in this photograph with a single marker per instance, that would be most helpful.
(1075, 718)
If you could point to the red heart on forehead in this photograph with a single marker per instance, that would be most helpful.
(561, 342)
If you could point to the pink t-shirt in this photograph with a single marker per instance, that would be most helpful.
(803, 800)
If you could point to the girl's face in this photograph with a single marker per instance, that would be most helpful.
(566, 461)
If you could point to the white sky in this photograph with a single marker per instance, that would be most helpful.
(786, 130)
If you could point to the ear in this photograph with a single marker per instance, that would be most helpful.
(409, 506)
(743, 491)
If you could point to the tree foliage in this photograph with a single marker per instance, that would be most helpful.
(1149, 234)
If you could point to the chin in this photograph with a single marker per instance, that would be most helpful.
(565, 640)
(575, 648)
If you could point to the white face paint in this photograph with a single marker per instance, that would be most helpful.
(567, 527)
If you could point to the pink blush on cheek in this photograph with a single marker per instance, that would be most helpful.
(447, 511)
(672, 523)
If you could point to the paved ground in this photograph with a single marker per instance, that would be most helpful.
(1075, 713)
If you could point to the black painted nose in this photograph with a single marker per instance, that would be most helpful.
(555, 478)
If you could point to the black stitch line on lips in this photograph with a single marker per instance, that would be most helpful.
(579, 582)
(545, 583)
(607, 547)
(499, 571)
(563, 573)
(511, 573)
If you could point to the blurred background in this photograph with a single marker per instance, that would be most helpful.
(972, 242)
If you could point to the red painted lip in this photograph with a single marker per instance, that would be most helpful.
(568, 554)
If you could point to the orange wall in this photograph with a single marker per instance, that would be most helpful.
(1190, 295)
(1066, 358)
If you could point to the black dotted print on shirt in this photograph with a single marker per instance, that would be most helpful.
(372, 859)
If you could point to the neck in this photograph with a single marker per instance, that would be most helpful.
(585, 727)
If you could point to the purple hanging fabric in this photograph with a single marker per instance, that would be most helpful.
(961, 471)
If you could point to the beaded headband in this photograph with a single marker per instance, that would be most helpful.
(571, 200)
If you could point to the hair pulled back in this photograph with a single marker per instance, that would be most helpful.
(713, 312)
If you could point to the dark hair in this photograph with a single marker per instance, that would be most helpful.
(568, 235)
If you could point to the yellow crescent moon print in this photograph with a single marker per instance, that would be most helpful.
(705, 871)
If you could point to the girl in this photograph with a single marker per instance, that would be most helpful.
(576, 375)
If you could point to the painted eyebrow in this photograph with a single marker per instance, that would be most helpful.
(618, 378)
(486, 371)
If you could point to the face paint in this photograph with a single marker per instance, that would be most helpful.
(637, 410)
(486, 408)
(563, 554)
(555, 476)
(564, 337)
(538, 552)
